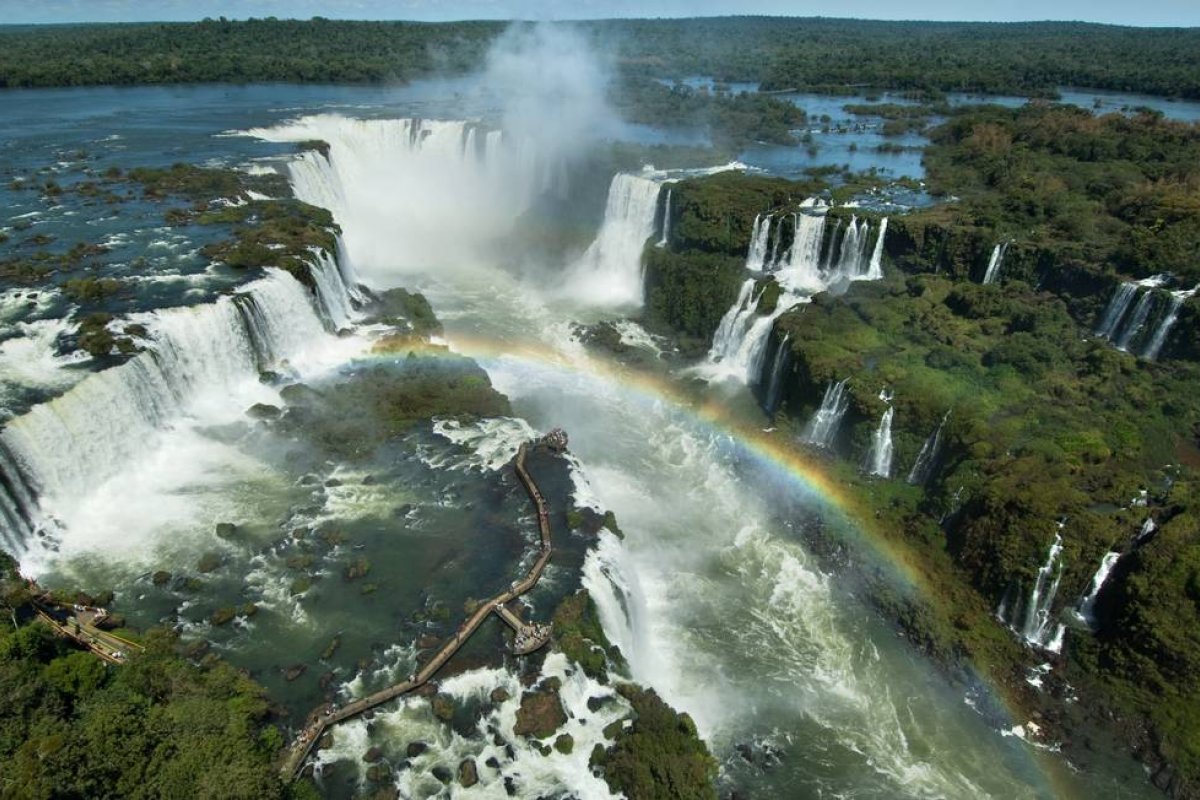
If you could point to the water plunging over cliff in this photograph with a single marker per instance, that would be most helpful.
(995, 263)
(665, 238)
(610, 272)
(774, 393)
(1032, 618)
(922, 468)
(740, 341)
(823, 426)
(1154, 347)
(203, 363)
(879, 458)
(1085, 610)
(756, 259)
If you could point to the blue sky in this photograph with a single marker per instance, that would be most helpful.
(1147, 12)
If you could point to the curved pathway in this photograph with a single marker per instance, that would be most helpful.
(326, 716)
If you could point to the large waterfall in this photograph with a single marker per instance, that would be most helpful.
(740, 341)
(1032, 618)
(1087, 604)
(426, 194)
(823, 426)
(203, 363)
(995, 263)
(879, 457)
(810, 265)
(610, 272)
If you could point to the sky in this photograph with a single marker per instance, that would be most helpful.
(1120, 12)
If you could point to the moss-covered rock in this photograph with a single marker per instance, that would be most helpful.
(540, 715)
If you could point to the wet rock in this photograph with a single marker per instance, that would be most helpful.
(301, 585)
(428, 642)
(294, 671)
(594, 704)
(369, 480)
(416, 748)
(222, 615)
(402, 510)
(208, 563)
(160, 578)
(499, 695)
(443, 707)
(227, 531)
(264, 411)
(326, 742)
(378, 773)
(326, 680)
(443, 774)
(540, 715)
(564, 744)
(468, 774)
(332, 483)
(510, 786)
(373, 754)
(493, 762)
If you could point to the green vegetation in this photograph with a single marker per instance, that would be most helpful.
(732, 121)
(1111, 191)
(782, 53)
(158, 726)
(659, 756)
(378, 402)
(578, 634)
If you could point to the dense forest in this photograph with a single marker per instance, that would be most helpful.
(811, 54)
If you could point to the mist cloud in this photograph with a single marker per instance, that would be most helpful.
(551, 87)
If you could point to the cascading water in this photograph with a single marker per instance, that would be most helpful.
(756, 259)
(1167, 322)
(610, 272)
(1086, 608)
(1033, 619)
(1137, 320)
(1115, 311)
(879, 458)
(922, 468)
(823, 426)
(995, 263)
(852, 260)
(775, 384)
(875, 268)
(666, 223)
(204, 362)
(802, 273)
(740, 341)
(424, 197)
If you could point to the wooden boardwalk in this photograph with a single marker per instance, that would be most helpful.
(324, 717)
(81, 625)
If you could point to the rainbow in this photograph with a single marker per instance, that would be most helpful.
(838, 497)
(774, 452)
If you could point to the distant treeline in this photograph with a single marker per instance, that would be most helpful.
(813, 54)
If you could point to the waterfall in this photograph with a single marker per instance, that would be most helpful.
(740, 342)
(775, 381)
(759, 235)
(994, 263)
(1146, 531)
(922, 468)
(1085, 610)
(610, 271)
(1115, 311)
(1036, 623)
(852, 262)
(879, 458)
(1164, 326)
(666, 223)
(203, 362)
(1137, 320)
(875, 269)
(802, 272)
(823, 426)
(413, 194)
